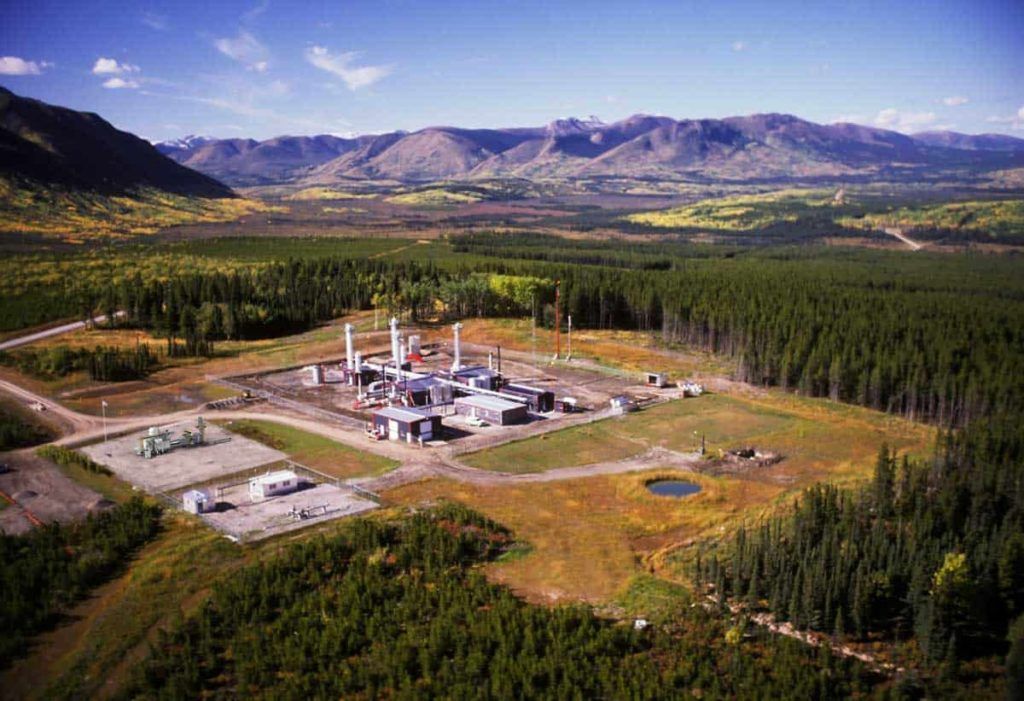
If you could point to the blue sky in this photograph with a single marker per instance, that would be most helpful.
(264, 68)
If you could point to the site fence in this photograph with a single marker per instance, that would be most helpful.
(278, 400)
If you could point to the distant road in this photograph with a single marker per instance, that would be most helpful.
(898, 233)
(55, 331)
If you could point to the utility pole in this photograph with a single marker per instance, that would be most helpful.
(558, 322)
(569, 355)
(103, 409)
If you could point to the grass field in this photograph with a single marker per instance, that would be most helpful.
(314, 451)
(591, 538)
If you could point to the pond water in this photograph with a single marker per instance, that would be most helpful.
(673, 488)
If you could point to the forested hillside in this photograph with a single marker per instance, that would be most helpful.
(396, 610)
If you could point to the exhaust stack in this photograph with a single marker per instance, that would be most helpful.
(349, 357)
(394, 348)
(457, 363)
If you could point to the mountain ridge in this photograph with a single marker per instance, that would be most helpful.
(759, 146)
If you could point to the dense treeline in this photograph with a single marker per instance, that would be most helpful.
(71, 458)
(931, 337)
(930, 550)
(394, 610)
(102, 363)
(52, 567)
(16, 432)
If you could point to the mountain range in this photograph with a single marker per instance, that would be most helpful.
(756, 147)
(55, 145)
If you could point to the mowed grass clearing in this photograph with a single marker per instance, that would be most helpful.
(323, 454)
(592, 537)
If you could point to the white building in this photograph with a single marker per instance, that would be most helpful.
(273, 484)
(196, 501)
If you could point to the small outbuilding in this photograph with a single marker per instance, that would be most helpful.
(273, 484)
(567, 405)
(197, 501)
(493, 410)
(406, 424)
(539, 400)
(656, 379)
(623, 404)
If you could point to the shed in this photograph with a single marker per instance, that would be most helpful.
(406, 424)
(623, 403)
(273, 484)
(655, 379)
(196, 501)
(493, 410)
(540, 400)
(567, 405)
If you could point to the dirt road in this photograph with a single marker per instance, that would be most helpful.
(55, 331)
(898, 233)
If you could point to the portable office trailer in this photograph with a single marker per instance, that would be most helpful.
(196, 501)
(273, 484)
(539, 400)
(406, 424)
(493, 410)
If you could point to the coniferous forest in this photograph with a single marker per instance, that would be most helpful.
(395, 610)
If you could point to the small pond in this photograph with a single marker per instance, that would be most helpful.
(673, 488)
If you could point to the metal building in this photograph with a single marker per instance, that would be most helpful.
(406, 424)
(539, 400)
(196, 501)
(493, 410)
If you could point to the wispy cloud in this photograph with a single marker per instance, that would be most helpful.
(343, 65)
(110, 66)
(955, 101)
(850, 119)
(246, 49)
(1015, 121)
(897, 120)
(12, 65)
(155, 21)
(121, 84)
(739, 46)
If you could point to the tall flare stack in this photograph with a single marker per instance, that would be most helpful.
(457, 363)
(394, 349)
(349, 352)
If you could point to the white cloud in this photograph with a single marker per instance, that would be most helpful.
(155, 21)
(110, 66)
(12, 65)
(343, 66)
(955, 101)
(1015, 121)
(850, 119)
(739, 46)
(244, 48)
(120, 84)
(892, 118)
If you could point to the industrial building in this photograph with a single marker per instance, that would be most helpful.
(538, 400)
(273, 484)
(479, 377)
(493, 410)
(197, 501)
(406, 424)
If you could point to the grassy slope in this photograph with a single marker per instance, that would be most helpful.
(78, 216)
(314, 451)
(1001, 221)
